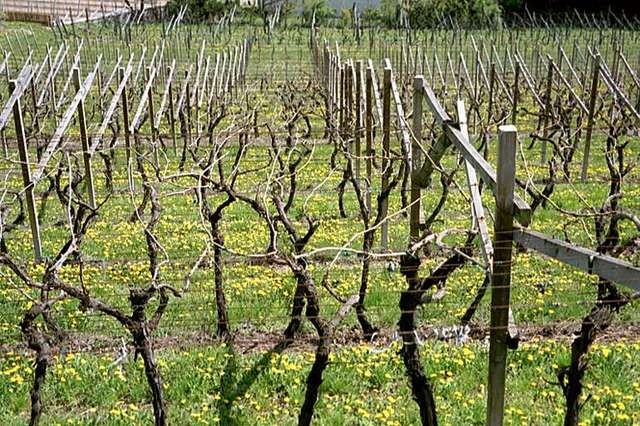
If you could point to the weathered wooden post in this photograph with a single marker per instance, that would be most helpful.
(327, 73)
(331, 83)
(100, 83)
(386, 139)
(547, 112)
(349, 99)
(477, 209)
(216, 77)
(492, 80)
(150, 74)
(125, 119)
(187, 105)
(516, 94)
(245, 61)
(26, 174)
(590, 117)
(234, 70)
(34, 101)
(52, 86)
(203, 91)
(224, 73)
(84, 139)
(241, 65)
(369, 133)
(172, 117)
(5, 145)
(358, 117)
(328, 85)
(501, 274)
(342, 99)
(415, 209)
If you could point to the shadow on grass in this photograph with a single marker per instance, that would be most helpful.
(233, 385)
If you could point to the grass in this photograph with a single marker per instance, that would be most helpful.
(362, 386)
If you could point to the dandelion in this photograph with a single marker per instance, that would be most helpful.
(16, 379)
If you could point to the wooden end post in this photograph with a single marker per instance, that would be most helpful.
(501, 274)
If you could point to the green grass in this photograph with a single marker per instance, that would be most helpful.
(259, 299)
(361, 386)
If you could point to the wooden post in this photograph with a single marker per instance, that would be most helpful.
(26, 175)
(337, 85)
(125, 119)
(245, 61)
(52, 86)
(5, 145)
(492, 79)
(547, 112)
(477, 209)
(501, 274)
(342, 100)
(241, 56)
(233, 67)
(358, 117)
(172, 117)
(369, 133)
(349, 98)
(415, 209)
(84, 139)
(150, 74)
(99, 84)
(514, 113)
(223, 71)
(187, 105)
(386, 139)
(476, 90)
(199, 94)
(326, 72)
(590, 116)
(34, 100)
(216, 77)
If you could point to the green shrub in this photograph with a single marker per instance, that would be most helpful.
(199, 10)
(430, 13)
(322, 9)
